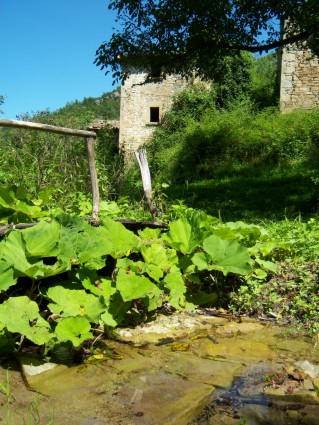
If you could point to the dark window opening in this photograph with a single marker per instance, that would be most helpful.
(154, 114)
(156, 71)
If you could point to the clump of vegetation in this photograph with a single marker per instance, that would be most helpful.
(235, 142)
(292, 292)
(65, 280)
(40, 161)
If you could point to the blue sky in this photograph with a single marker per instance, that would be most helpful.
(47, 53)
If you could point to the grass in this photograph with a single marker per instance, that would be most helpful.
(254, 198)
(5, 388)
(9, 414)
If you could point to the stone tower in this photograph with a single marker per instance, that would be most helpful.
(143, 106)
(299, 85)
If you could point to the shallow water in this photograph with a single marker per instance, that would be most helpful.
(176, 370)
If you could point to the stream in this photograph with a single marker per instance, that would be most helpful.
(180, 369)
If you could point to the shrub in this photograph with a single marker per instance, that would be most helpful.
(230, 142)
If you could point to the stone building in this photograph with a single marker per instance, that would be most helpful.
(143, 105)
(299, 82)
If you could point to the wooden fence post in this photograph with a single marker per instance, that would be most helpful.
(146, 179)
(90, 139)
(94, 182)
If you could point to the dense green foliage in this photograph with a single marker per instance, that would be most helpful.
(292, 292)
(264, 89)
(39, 161)
(180, 37)
(232, 142)
(61, 279)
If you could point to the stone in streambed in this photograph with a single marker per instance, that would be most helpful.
(163, 399)
(196, 369)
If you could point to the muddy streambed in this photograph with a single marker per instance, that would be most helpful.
(175, 370)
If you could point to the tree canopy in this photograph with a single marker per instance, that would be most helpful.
(182, 36)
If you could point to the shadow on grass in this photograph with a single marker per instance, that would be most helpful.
(252, 198)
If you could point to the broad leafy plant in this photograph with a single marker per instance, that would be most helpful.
(63, 278)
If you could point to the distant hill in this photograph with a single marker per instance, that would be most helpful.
(106, 106)
(79, 114)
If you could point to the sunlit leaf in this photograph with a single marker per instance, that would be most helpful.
(176, 286)
(73, 302)
(42, 240)
(74, 329)
(227, 255)
(118, 240)
(132, 286)
(21, 315)
(7, 276)
(183, 237)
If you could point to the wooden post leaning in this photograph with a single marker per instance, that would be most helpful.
(146, 179)
(90, 140)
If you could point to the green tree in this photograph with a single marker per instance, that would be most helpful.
(264, 80)
(182, 36)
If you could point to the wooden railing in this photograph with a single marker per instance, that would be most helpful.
(90, 137)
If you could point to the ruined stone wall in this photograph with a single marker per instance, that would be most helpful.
(143, 106)
(299, 85)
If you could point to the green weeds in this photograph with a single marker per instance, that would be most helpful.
(292, 292)
(30, 415)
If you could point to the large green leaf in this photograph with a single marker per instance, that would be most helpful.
(160, 256)
(202, 261)
(7, 276)
(40, 270)
(14, 206)
(108, 320)
(175, 284)
(228, 256)
(183, 236)
(150, 236)
(80, 243)
(131, 287)
(74, 329)
(13, 252)
(95, 284)
(158, 260)
(140, 268)
(119, 241)
(72, 302)
(42, 239)
(21, 315)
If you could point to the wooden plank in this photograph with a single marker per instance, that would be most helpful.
(47, 128)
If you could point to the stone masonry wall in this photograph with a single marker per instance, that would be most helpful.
(299, 85)
(137, 121)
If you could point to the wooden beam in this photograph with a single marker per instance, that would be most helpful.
(47, 128)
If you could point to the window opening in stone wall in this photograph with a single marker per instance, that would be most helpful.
(154, 114)
(156, 71)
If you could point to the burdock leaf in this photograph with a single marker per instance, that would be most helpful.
(21, 315)
(74, 329)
